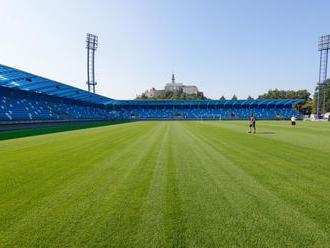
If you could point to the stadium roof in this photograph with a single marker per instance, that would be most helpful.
(14, 78)
(223, 103)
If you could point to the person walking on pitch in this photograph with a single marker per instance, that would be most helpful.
(293, 121)
(252, 124)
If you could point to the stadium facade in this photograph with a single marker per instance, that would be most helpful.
(25, 97)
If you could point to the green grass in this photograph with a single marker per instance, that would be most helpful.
(168, 184)
(13, 134)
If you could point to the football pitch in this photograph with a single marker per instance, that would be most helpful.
(168, 184)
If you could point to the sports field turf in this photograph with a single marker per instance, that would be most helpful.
(168, 184)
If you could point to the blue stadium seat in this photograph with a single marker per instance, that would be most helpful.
(28, 97)
(19, 105)
(204, 113)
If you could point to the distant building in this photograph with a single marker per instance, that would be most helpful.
(190, 89)
(152, 93)
(172, 87)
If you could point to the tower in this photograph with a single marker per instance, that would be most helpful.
(324, 46)
(173, 78)
(91, 46)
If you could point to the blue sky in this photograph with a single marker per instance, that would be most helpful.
(244, 47)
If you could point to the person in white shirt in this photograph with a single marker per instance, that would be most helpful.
(293, 121)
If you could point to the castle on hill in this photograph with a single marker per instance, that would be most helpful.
(170, 89)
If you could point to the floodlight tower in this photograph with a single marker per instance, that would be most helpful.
(91, 45)
(324, 46)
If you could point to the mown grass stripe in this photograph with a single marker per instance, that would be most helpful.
(168, 184)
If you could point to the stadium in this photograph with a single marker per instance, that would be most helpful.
(80, 168)
(27, 97)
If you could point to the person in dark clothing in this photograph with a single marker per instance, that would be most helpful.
(252, 124)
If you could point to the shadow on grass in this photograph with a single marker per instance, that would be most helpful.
(266, 133)
(13, 134)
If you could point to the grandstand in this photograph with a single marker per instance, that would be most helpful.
(206, 110)
(25, 97)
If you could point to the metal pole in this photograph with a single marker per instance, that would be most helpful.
(88, 79)
(324, 82)
(324, 98)
(93, 70)
(319, 88)
(324, 46)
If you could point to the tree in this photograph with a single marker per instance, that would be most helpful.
(174, 95)
(327, 93)
(306, 107)
(234, 97)
(250, 98)
(222, 98)
(286, 94)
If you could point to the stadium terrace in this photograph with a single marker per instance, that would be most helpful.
(27, 97)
